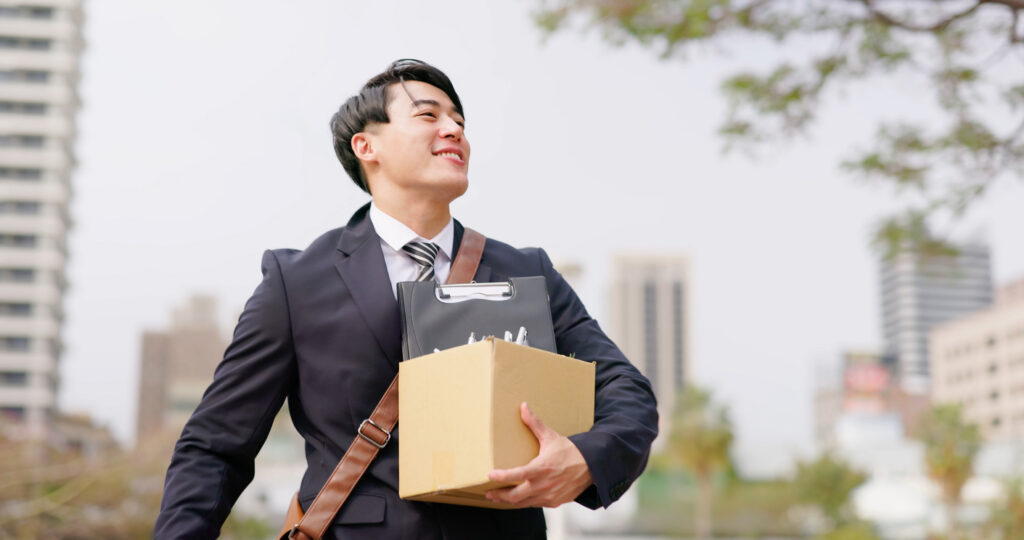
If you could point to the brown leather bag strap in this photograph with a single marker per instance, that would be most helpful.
(375, 432)
(467, 260)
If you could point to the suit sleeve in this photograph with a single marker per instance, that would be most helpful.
(213, 460)
(625, 412)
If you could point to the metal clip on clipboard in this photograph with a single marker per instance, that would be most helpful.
(494, 292)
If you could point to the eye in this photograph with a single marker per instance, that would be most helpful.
(427, 113)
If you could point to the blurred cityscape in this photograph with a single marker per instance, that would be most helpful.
(922, 437)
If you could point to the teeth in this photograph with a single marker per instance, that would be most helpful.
(450, 154)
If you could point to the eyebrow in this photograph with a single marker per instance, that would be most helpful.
(418, 102)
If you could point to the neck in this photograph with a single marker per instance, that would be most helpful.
(425, 218)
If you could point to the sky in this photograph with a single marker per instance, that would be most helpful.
(204, 141)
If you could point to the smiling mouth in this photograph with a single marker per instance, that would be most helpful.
(450, 155)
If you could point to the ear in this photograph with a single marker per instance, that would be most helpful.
(362, 146)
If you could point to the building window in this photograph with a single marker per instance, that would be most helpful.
(24, 75)
(37, 12)
(15, 309)
(32, 44)
(12, 414)
(22, 107)
(22, 141)
(20, 173)
(14, 343)
(13, 378)
(26, 12)
(17, 275)
(18, 240)
(19, 207)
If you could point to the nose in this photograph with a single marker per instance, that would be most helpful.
(450, 129)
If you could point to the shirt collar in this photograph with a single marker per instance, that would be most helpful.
(396, 234)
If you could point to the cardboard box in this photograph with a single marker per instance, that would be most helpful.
(459, 415)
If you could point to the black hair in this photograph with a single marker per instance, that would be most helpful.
(370, 106)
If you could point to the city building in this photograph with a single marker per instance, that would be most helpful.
(977, 361)
(861, 402)
(177, 365)
(855, 402)
(40, 46)
(922, 291)
(649, 321)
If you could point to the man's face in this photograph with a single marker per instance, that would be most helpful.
(423, 147)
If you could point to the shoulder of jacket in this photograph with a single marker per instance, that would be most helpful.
(324, 244)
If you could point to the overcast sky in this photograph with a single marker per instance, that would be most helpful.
(204, 141)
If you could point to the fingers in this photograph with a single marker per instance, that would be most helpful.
(517, 474)
(532, 421)
(524, 495)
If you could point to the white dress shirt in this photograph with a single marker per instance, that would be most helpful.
(394, 234)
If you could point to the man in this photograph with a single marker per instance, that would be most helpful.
(322, 329)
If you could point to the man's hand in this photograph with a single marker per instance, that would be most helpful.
(556, 476)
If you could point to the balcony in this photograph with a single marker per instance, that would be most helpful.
(46, 190)
(55, 91)
(59, 28)
(40, 326)
(52, 157)
(47, 256)
(55, 123)
(44, 224)
(52, 60)
(41, 292)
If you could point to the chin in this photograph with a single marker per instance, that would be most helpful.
(454, 188)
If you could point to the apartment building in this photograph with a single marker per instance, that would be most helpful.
(40, 47)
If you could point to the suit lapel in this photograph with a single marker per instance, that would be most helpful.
(362, 268)
(365, 274)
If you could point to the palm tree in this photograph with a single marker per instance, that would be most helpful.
(827, 483)
(700, 440)
(1006, 518)
(950, 445)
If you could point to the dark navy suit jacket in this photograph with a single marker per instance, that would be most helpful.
(322, 330)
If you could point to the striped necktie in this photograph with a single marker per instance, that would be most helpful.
(424, 254)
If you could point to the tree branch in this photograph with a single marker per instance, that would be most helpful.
(1012, 4)
(1014, 36)
(882, 17)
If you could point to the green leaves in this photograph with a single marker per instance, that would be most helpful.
(950, 446)
(827, 483)
(976, 138)
(702, 435)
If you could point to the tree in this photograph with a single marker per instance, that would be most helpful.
(827, 483)
(950, 445)
(700, 441)
(48, 492)
(1006, 519)
(966, 54)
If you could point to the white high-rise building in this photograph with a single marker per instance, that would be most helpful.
(649, 321)
(920, 292)
(977, 362)
(40, 46)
